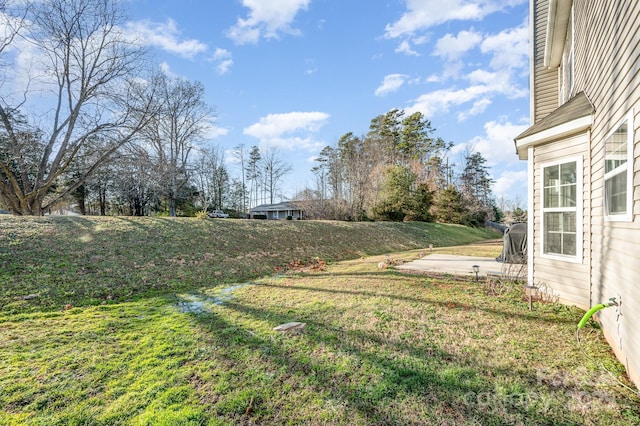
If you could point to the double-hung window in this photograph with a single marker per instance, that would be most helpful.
(561, 210)
(618, 177)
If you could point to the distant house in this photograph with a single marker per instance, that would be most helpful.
(278, 211)
(583, 154)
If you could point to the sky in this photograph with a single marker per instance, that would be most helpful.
(295, 75)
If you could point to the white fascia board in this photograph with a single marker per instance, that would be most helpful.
(557, 24)
(558, 132)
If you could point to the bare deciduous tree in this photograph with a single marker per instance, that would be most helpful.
(274, 169)
(239, 155)
(181, 121)
(253, 175)
(211, 177)
(84, 90)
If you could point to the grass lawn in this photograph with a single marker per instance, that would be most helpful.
(379, 347)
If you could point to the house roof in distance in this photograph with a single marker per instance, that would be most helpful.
(281, 206)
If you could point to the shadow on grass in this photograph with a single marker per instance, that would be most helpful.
(525, 315)
(437, 386)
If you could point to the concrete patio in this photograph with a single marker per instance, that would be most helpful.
(453, 264)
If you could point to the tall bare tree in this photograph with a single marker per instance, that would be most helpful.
(274, 169)
(239, 155)
(85, 72)
(211, 177)
(253, 175)
(133, 186)
(356, 159)
(181, 121)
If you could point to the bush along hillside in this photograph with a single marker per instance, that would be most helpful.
(49, 261)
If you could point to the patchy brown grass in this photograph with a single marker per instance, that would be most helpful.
(49, 262)
(379, 347)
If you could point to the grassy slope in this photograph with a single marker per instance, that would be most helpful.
(90, 260)
(379, 347)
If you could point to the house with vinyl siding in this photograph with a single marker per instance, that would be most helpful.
(278, 211)
(583, 154)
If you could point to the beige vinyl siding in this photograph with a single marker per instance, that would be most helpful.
(606, 38)
(568, 280)
(546, 92)
(545, 96)
(607, 68)
(616, 262)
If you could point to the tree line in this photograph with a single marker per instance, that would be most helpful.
(93, 122)
(399, 171)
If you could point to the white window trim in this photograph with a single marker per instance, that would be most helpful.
(628, 216)
(579, 210)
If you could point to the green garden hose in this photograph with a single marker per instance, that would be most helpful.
(590, 313)
(595, 309)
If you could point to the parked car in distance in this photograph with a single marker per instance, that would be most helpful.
(218, 213)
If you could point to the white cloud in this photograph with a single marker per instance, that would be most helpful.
(212, 131)
(498, 148)
(452, 47)
(224, 66)
(293, 143)
(511, 184)
(166, 70)
(289, 130)
(165, 36)
(222, 59)
(221, 54)
(405, 47)
(497, 144)
(478, 107)
(424, 14)
(266, 19)
(484, 85)
(481, 76)
(440, 101)
(499, 82)
(277, 124)
(510, 48)
(391, 83)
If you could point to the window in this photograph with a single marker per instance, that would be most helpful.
(618, 179)
(561, 210)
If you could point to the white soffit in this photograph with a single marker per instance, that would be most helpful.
(557, 24)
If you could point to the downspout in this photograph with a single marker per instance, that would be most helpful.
(532, 118)
(590, 250)
(532, 61)
(530, 215)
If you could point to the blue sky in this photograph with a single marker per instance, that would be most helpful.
(295, 75)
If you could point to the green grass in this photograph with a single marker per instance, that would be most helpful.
(379, 347)
(56, 261)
